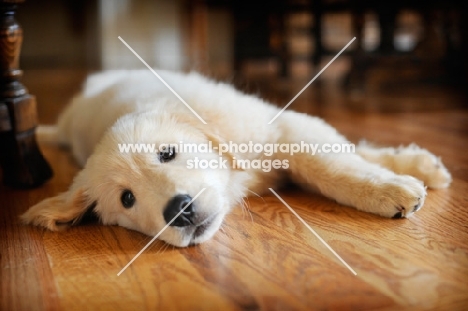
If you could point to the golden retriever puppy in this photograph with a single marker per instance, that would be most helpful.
(145, 190)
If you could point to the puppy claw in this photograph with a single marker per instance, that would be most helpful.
(400, 195)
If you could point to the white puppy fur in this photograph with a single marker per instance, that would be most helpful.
(134, 107)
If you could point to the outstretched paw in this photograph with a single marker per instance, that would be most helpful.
(423, 165)
(400, 197)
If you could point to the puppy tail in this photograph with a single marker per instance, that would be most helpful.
(48, 134)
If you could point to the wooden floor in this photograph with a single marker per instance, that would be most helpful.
(262, 259)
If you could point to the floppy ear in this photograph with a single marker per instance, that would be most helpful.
(231, 156)
(60, 212)
(215, 138)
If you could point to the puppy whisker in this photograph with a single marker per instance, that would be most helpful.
(246, 207)
(254, 193)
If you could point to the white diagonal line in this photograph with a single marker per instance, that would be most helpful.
(313, 231)
(157, 235)
(164, 82)
(310, 82)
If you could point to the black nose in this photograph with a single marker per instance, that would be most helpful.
(174, 206)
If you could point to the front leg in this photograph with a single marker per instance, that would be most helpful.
(347, 178)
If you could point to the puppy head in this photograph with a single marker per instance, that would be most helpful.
(145, 190)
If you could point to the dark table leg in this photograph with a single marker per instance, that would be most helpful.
(21, 161)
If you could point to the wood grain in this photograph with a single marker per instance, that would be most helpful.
(263, 258)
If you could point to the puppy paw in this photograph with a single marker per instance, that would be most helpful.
(433, 172)
(423, 165)
(399, 197)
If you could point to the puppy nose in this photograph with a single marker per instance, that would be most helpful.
(174, 206)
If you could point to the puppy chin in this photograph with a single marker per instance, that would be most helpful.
(185, 236)
(178, 240)
(208, 231)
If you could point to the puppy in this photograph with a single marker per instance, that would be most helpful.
(144, 191)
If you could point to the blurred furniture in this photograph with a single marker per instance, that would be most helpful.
(440, 18)
(260, 32)
(21, 161)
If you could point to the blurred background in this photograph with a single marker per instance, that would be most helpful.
(408, 55)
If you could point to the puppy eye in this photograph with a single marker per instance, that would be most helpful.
(127, 199)
(167, 154)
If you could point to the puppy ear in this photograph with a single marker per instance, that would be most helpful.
(229, 155)
(215, 138)
(60, 212)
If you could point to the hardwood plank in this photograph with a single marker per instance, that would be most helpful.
(239, 269)
(398, 256)
(27, 282)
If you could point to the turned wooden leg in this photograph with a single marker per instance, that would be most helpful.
(21, 161)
